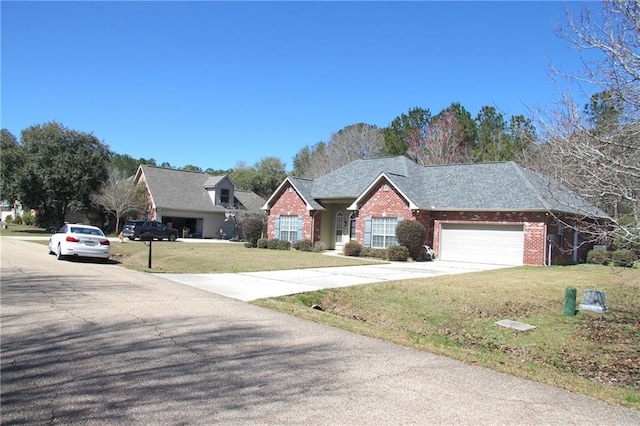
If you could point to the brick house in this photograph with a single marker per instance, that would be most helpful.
(488, 212)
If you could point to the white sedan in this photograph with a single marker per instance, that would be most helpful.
(79, 240)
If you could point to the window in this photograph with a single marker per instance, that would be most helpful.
(383, 232)
(224, 196)
(288, 228)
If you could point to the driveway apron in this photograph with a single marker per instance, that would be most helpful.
(256, 285)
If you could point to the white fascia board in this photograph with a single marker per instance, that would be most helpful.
(267, 205)
(381, 176)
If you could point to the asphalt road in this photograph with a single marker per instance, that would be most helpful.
(89, 343)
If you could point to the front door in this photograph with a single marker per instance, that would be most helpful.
(339, 231)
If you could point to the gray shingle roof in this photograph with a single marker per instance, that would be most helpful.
(250, 200)
(178, 189)
(478, 186)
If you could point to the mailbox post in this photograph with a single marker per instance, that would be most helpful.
(148, 237)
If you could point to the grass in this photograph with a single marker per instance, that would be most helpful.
(454, 316)
(23, 231)
(201, 258)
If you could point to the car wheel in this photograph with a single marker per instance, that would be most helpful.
(172, 237)
(59, 255)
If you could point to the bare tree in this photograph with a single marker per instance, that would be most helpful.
(120, 196)
(596, 150)
(352, 143)
(441, 143)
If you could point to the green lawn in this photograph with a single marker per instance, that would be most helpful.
(592, 354)
(201, 258)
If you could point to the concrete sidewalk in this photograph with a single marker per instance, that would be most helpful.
(249, 286)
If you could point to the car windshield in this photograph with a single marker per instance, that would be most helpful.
(86, 231)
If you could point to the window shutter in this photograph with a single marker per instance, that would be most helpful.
(276, 226)
(367, 232)
(299, 228)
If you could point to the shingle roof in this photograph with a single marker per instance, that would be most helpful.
(178, 189)
(250, 200)
(478, 186)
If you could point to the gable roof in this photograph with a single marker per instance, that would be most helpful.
(503, 186)
(249, 200)
(177, 189)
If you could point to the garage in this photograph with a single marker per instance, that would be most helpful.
(498, 244)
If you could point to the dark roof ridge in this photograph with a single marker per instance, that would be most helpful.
(180, 170)
(520, 170)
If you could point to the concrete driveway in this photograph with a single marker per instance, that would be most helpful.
(249, 286)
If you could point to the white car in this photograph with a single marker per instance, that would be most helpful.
(79, 240)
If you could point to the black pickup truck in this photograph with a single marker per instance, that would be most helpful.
(149, 230)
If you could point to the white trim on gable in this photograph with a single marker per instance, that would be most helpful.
(278, 191)
(369, 188)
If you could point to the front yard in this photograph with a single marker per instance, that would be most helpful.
(454, 316)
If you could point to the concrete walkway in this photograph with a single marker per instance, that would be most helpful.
(249, 286)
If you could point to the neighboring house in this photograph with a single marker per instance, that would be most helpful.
(196, 203)
(486, 212)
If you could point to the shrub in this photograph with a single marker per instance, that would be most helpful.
(28, 219)
(303, 245)
(319, 247)
(411, 233)
(623, 257)
(276, 244)
(261, 243)
(248, 244)
(18, 220)
(598, 257)
(374, 252)
(352, 248)
(398, 253)
(272, 243)
(252, 229)
(283, 245)
(8, 219)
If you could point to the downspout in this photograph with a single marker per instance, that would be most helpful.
(547, 243)
(313, 227)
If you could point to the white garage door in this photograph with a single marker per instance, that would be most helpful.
(499, 244)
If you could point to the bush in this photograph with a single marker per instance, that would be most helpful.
(252, 230)
(374, 252)
(276, 244)
(411, 234)
(319, 247)
(352, 248)
(8, 219)
(303, 245)
(261, 243)
(598, 257)
(18, 220)
(248, 244)
(28, 219)
(624, 257)
(398, 253)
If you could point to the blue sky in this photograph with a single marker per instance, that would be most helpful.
(214, 83)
